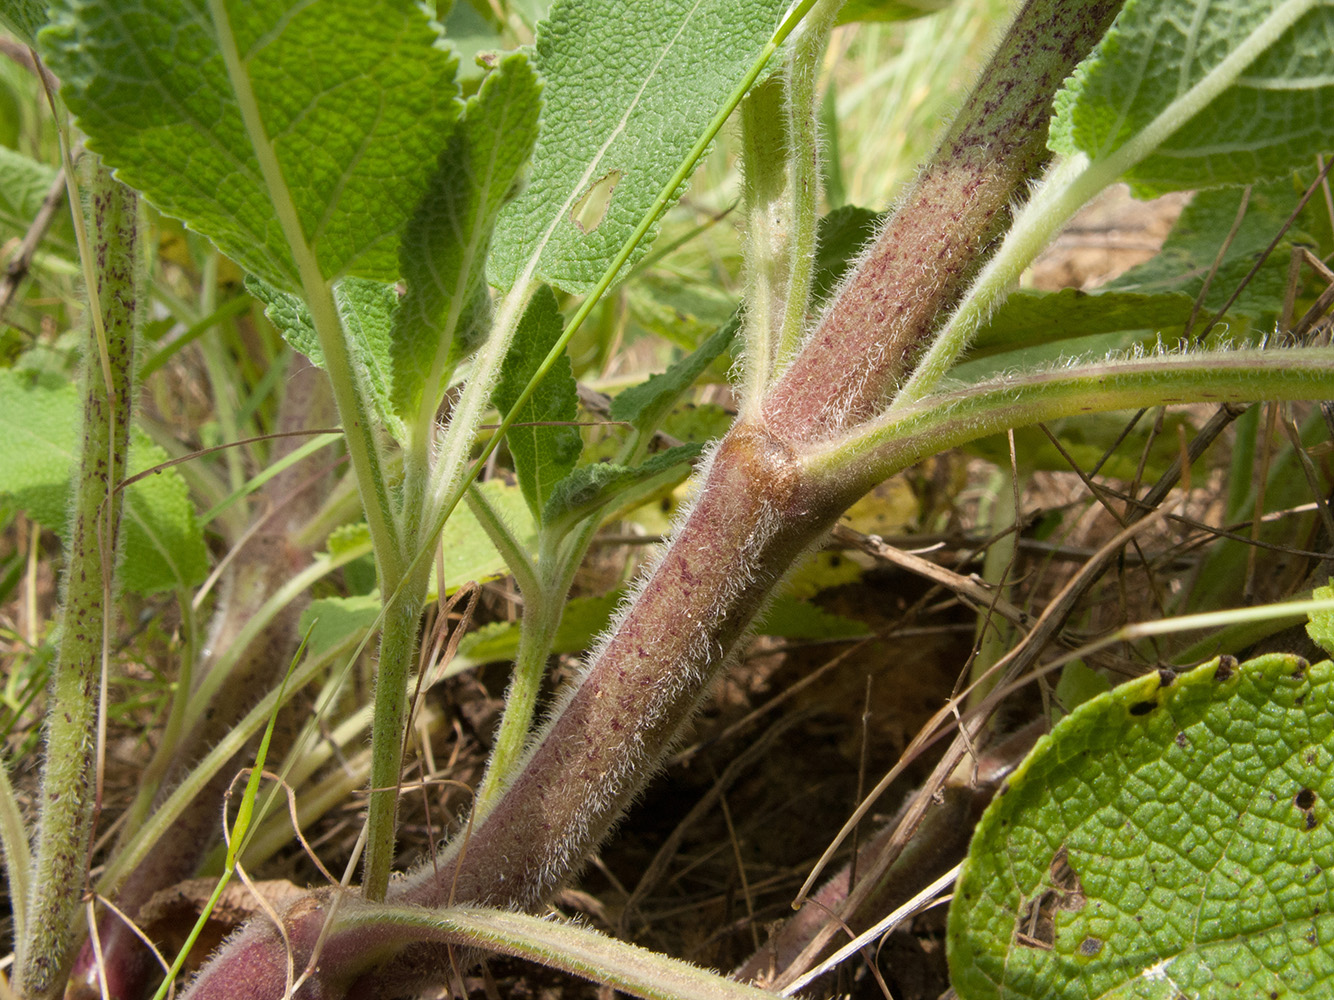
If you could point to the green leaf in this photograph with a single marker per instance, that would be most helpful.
(443, 256)
(467, 554)
(1321, 626)
(627, 95)
(331, 621)
(543, 453)
(646, 404)
(1272, 119)
(888, 10)
(367, 310)
(164, 542)
(591, 487)
(581, 622)
(1201, 231)
(1029, 318)
(1171, 838)
(791, 618)
(23, 18)
(23, 185)
(39, 419)
(840, 237)
(355, 99)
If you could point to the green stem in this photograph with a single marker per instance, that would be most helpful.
(938, 422)
(803, 136)
(398, 659)
(542, 609)
(349, 394)
(70, 778)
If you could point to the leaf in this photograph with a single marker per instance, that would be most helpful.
(591, 487)
(1171, 838)
(443, 255)
(888, 10)
(543, 454)
(355, 99)
(646, 404)
(367, 310)
(23, 186)
(1272, 119)
(163, 543)
(627, 96)
(467, 554)
(1201, 231)
(330, 621)
(23, 18)
(1028, 318)
(581, 622)
(791, 618)
(1321, 626)
(840, 237)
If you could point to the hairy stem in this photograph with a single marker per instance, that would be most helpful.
(927, 254)
(69, 776)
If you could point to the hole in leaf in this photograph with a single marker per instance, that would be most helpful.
(1062, 891)
(1227, 665)
(1143, 707)
(591, 208)
(1305, 799)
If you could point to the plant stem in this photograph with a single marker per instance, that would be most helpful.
(943, 421)
(398, 648)
(543, 607)
(70, 779)
(927, 254)
(803, 137)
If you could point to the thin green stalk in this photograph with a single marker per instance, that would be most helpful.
(349, 395)
(903, 436)
(542, 609)
(764, 154)
(70, 774)
(398, 649)
(803, 136)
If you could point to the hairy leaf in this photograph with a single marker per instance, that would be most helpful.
(646, 404)
(23, 184)
(367, 310)
(1170, 838)
(23, 17)
(445, 245)
(627, 96)
(591, 487)
(353, 128)
(544, 444)
(39, 418)
(1201, 233)
(1275, 117)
